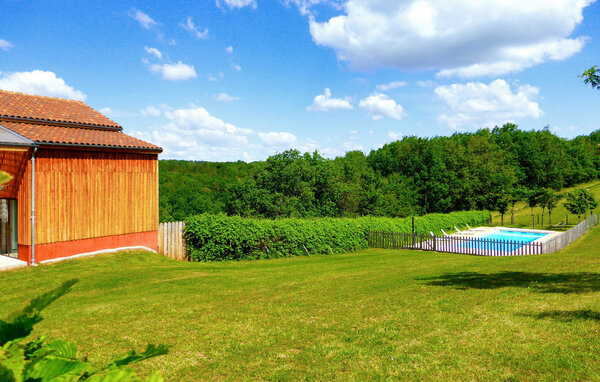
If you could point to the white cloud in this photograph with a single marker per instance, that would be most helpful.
(154, 52)
(395, 136)
(115, 113)
(5, 45)
(189, 26)
(145, 21)
(324, 102)
(193, 133)
(40, 83)
(426, 84)
(519, 58)
(174, 72)
(277, 138)
(476, 104)
(391, 85)
(236, 67)
(199, 118)
(212, 78)
(238, 3)
(462, 38)
(380, 105)
(150, 111)
(304, 6)
(224, 97)
(229, 49)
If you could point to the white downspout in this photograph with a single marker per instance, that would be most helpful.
(33, 205)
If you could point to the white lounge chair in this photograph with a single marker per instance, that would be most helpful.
(445, 234)
(432, 234)
(474, 229)
(457, 230)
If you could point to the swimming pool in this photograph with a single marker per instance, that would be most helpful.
(503, 240)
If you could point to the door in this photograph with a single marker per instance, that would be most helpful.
(8, 228)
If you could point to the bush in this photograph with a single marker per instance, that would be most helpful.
(220, 237)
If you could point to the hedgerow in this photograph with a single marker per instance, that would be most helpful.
(220, 237)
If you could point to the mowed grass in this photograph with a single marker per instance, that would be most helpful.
(523, 212)
(372, 315)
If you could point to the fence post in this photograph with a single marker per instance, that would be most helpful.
(413, 231)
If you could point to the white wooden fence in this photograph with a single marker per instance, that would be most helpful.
(170, 240)
(566, 238)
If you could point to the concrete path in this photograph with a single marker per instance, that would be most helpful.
(10, 263)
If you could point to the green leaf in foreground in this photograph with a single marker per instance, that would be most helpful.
(39, 361)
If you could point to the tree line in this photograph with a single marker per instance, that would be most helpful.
(488, 169)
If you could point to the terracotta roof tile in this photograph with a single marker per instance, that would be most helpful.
(25, 106)
(52, 134)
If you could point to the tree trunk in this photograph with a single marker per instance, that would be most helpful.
(502, 220)
(549, 217)
(542, 218)
(512, 218)
(532, 221)
(578, 219)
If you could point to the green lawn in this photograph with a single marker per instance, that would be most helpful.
(523, 212)
(376, 314)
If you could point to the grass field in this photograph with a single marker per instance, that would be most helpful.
(376, 314)
(523, 212)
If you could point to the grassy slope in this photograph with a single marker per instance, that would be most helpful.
(376, 314)
(523, 212)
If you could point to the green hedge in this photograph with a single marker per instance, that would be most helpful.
(221, 237)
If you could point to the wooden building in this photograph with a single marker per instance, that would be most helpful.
(79, 184)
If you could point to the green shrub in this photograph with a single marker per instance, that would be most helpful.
(220, 237)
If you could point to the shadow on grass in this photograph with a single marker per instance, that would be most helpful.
(566, 316)
(582, 282)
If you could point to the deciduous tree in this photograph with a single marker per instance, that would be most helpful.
(592, 77)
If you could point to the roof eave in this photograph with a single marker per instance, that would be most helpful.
(92, 146)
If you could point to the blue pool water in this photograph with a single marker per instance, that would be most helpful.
(524, 237)
(504, 240)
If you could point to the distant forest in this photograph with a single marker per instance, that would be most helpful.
(465, 171)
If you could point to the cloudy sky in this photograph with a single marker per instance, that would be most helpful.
(233, 80)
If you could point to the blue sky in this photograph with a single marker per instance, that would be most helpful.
(242, 79)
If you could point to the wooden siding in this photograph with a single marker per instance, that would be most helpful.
(88, 194)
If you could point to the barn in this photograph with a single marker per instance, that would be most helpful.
(80, 185)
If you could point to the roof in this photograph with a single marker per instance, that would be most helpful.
(55, 121)
(40, 108)
(64, 135)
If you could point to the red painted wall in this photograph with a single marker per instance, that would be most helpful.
(75, 247)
